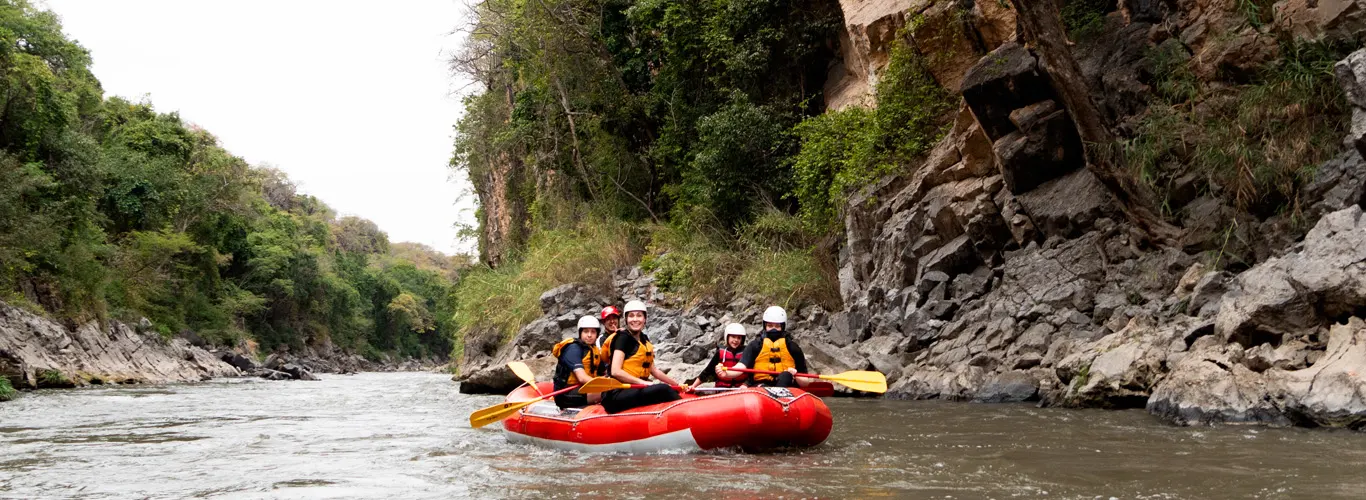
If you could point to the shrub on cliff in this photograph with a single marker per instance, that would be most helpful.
(507, 297)
(844, 150)
(7, 391)
(1257, 143)
(774, 258)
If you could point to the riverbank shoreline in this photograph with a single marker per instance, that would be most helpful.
(39, 353)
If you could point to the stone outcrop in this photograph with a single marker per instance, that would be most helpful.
(953, 34)
(37, 352)
(1227, 384)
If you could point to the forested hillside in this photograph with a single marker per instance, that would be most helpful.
(110, 210)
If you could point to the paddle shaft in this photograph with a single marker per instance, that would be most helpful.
(501, 411)
(766, 372)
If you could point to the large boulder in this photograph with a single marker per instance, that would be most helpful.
(1010, 387)
(1213, 384)
(1121, 369)
(1044, 147)
(239, 361)
(1301, 291)
(35, 351)
(1007, 79)
(499, 379)
(1069, 205)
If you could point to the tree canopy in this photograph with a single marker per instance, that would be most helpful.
(112, 210)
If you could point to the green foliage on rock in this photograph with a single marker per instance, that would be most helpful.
(844, 150)
(7, 392)
(112, 210)
(1259, 142)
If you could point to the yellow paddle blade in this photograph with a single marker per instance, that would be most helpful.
(602, 384)
(497, 413)
(524, 372)
(860, 380)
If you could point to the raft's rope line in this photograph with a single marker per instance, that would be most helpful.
(670, 407)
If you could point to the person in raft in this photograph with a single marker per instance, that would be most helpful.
(580, 361)
(774, 351)
(611, 323)
(727, 355)
(633, 362)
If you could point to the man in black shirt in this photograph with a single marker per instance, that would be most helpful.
(775, 351)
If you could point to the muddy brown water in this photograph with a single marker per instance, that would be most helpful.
(407, 436)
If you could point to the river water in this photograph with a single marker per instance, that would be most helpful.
(407, 436)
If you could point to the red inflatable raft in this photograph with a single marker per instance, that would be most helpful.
(749, 418)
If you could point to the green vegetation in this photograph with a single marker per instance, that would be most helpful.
(699, 124)
(7, 392)
(1084, 19)
(1259, 141)
(508, 297)
(844, 150)
(111, 210)
(52, 378)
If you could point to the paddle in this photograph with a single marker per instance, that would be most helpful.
(604, 384)
(499, 412)
(856, 379)
(524, 372)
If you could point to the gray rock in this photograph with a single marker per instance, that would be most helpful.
(1338, 183)
(702, 322)
(269, 374)
(239, 361)
(298, 372)
(697, 354)
(1007, 79)
(1046, 149)
(1009, 387)
(1068, 205)
(1300, 291)
(1205, 296)
(498, 379)
(1351, 74)
(1214, 384)
(689, 333)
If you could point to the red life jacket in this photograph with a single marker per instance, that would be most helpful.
(729, 359)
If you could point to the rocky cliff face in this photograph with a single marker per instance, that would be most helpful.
(1001, 270)
(37, 352)
(953, 33)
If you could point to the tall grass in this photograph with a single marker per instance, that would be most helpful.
(1259, 141)
(774, 258)
(505, 298)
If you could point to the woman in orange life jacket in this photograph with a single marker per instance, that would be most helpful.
(633, 362)
(579, 361)
(727, 355)
(775, 351)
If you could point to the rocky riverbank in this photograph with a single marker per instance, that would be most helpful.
(36, 352)
(1001, 271)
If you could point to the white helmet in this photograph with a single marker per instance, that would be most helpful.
(775, 314)
(634, 305)
(589, 322)
(735, 329)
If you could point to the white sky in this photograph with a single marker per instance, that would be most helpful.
(352, 99)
